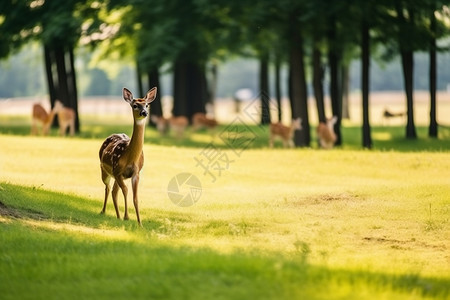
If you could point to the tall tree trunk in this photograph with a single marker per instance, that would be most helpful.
(344, 95)
(153, 81)
(299, 93)
(189, 89)
(333, 61)
(433, 128)
(198, 88)
(365, 47)
(408, 71)
(73, 90)
(49, 63)
(278, 86)
(140, 86)
(318, 72)
(180, 96)
(264, 89)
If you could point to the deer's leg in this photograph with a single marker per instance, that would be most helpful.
(123, 187)
(114, 196)
(106, 180)
(72, 128)
(135, 183)
(271, 141)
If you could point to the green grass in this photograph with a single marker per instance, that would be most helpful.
(275, 224)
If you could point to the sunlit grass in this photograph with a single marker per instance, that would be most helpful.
(346, 223)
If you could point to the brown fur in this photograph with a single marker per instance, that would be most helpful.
(325, 133)
(284, 132)
(200, 120)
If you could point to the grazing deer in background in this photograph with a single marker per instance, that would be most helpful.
(178, 125)
(40, 115)
(325, 133)
(284, 132)
(162, 124)
(122, 158)
(200, 120)
(390, 115)
(66, 118)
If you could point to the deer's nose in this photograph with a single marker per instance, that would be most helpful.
(143, 113)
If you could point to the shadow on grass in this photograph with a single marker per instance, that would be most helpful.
(55, 263)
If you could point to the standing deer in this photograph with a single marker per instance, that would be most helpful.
(40, 115)
(284, 132)
(325, 133)
(200, 120)
(66, 118)
(122, 158)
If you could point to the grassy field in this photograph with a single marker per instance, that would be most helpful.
(270, 223)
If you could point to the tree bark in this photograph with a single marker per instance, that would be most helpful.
(318, 72)
(365, 84)
(433, 128)
(264, 89)
(344, 95)
(408, 71)
(333, 61)
(153, 81)
(299, 93)
(73, 90)
(278, 86)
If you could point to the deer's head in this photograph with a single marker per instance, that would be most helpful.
(140, 106)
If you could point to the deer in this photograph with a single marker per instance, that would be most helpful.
(66, 118)
(162, 124)
(390, 115)
(40, 115)
(286, 133)
(200, 120)
(325, 133)
(122, 158)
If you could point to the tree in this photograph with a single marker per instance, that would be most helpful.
(58, 26)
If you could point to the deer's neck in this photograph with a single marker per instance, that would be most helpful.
(51, 116)
(134, 149)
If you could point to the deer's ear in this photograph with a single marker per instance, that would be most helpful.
(151, 95)
(127, 95)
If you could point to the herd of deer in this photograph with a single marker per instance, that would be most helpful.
(66, 119)
(178, 124)
(122, 157)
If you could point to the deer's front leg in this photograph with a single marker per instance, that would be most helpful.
(114, 196)
(123, 187)
(135, 183)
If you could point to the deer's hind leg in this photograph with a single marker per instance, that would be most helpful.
(107, 181)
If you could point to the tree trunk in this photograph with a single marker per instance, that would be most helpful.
(278, 87)
(180, 89)
(264, 89)
(299, 93)
(153, 81)
(365, 84)
(408, 71)
(140, 86)
(73, 90)
(318, 72)
(189, 89)
(433, 129)
(49, 62)
(333, 61)
(345, 82)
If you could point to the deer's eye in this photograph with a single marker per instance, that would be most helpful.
(135, 106)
